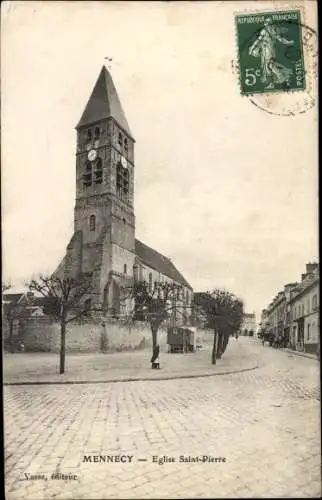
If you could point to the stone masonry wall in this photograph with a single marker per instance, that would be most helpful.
(42, 335)
(205, 336)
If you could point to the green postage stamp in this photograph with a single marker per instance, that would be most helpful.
(270, 52)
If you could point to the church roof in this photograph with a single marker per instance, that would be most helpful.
(159, 262)
(104, 103)
(150, 258)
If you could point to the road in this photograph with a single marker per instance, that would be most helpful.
(260, 428)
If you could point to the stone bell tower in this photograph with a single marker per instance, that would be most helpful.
(103, 244)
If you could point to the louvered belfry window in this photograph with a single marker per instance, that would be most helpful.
(87, 177)
(89, 135)
(122, 182)
(98, 171)
(97, 133)
(93, 172)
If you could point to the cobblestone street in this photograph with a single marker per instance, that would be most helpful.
(265, 423)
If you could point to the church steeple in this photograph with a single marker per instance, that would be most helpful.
(104, 221)
(104, 103)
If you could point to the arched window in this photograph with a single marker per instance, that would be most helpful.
(122, 182)
(126, 181)
(125, 269)
(92, 223)
(125, 145)
(119, 180)
(98, 171)
(89, 135)
(120, 140)
(150, 282)
(97, 133)
(87, 177)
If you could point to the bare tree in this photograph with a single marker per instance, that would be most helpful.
(65, 303)
(155, 303)
(5, 286)
(221, 311)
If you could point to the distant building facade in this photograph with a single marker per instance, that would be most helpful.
(103, 248)
(305, 311)
(293, 314)
(18, 308)
(249, 324)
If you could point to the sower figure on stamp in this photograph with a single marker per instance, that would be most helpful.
(264, 47)
(155, 358)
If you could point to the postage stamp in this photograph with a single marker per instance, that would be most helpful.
(270, 52)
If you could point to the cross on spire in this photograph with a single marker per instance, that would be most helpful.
(109, 61)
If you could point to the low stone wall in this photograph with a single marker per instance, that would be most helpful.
(15, 341)
(39, 334)
(4, 329)
(42, 335)
(205, 336)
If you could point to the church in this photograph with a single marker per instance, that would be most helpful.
(103, 247)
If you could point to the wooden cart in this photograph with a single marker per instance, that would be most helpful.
(180, 339)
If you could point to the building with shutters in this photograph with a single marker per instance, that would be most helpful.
(293, 314)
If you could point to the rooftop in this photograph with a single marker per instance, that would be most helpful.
(104, 103)
(159, 262)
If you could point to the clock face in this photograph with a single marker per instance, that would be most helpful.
(123, 162)
(92, 155)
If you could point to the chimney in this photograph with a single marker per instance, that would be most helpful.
(310, 267)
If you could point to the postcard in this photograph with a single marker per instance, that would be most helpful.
(160, 290)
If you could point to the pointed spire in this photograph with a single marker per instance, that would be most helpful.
(104, 103)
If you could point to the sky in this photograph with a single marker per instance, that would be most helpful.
(223, 188)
